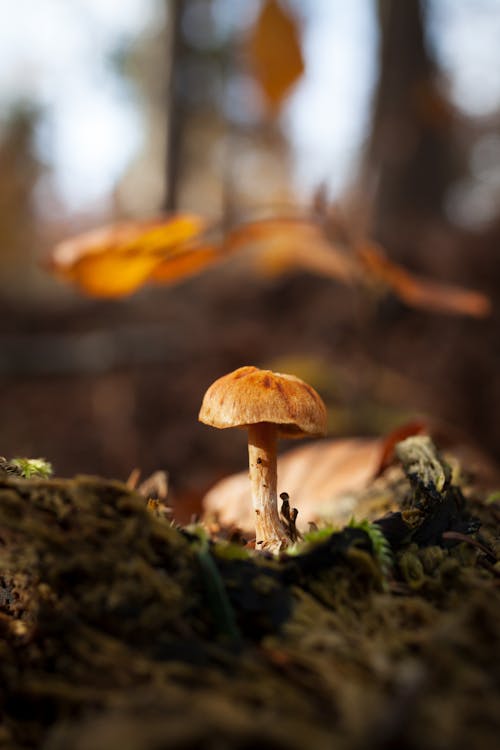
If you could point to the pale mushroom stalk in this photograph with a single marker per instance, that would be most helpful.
(270, 405)
(270, 533)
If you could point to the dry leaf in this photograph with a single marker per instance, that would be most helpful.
(445, 298)
(275, 52)
(319, 478)
(117, 259)
(284, 244)
(418, 427)
(419, 292)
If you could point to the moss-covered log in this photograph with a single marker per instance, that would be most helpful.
(118, 629)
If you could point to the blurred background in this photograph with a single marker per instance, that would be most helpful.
(382, 116)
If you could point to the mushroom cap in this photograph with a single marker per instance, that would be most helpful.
(250, 396)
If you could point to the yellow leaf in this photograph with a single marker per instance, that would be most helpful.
(275, 53)
(117, 259)
(185, 264)
(111, 275)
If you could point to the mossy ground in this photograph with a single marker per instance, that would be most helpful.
(118, 629)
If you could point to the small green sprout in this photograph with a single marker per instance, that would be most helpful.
(381, 547)
(310, 539)
(32, 468)
(319, 535)
(217, 597)
(493, 497)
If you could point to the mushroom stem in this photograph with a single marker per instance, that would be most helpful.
(270, 533)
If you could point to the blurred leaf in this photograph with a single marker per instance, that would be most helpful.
(193, 259)
(419, 292)
(275, 53)
(286, 244)
(111, 274)
(117, 259)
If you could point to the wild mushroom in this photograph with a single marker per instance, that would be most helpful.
(269, 405)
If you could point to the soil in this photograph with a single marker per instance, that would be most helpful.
(119, 628)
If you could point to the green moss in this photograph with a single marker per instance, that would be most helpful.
(230, 551)
(493, 497)
(31, 468)
(310, 539)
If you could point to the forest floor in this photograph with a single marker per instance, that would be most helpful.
(121, 629)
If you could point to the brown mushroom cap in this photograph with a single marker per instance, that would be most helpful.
(250, 396)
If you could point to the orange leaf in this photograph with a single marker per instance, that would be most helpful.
(419, 292)
(276, 53)
(389, 442)
(117, 259)
(446, 298)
